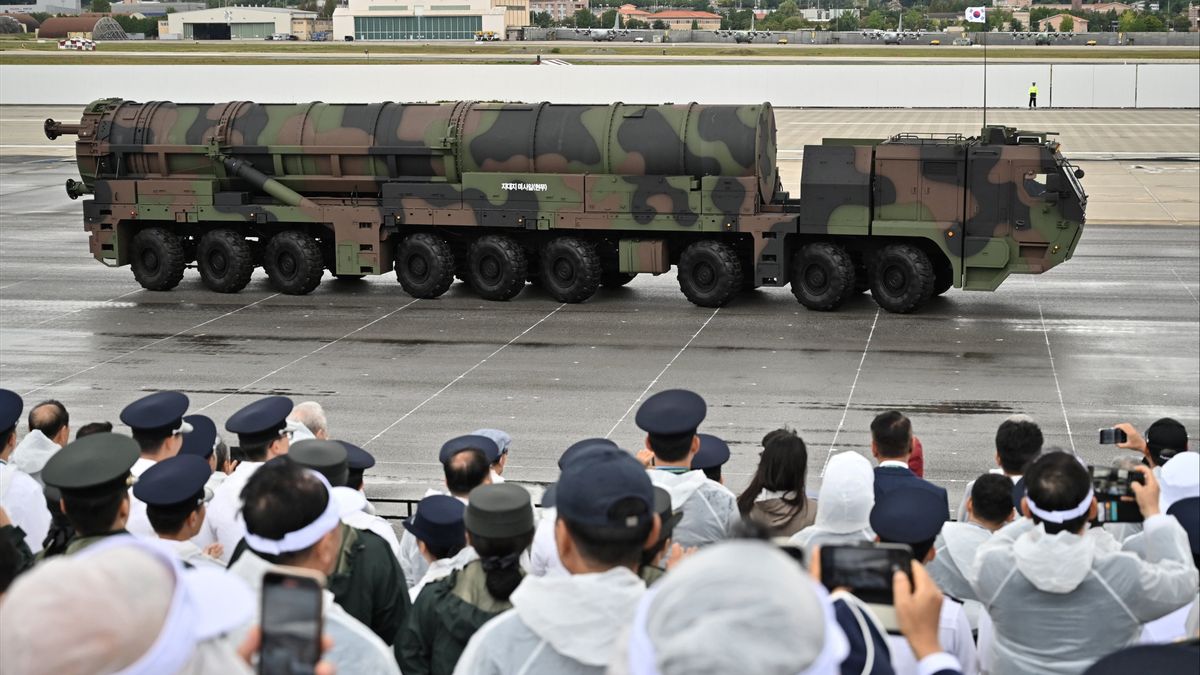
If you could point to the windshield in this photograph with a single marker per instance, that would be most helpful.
(1068, 170)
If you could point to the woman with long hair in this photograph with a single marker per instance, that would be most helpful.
(499, 523)
(776, 497)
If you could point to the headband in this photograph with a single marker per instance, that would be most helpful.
(642, 656)
(1061, 517)
(303, 537)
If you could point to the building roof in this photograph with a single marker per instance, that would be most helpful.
(684, 14)
(59, 26)
(29, 22)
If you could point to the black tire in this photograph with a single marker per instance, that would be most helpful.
(496, 267)
(902, 278)
(616, 279)
(710, 273)
(571, 269)
(157, 259)
(293, 262)
(225, 261)
(822, 276)
(943, 277)
(424, 265)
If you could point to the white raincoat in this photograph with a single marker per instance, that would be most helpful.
(22, 497)
(543, 554)
(222, 516)
(1060, 602)
(32, 453)
(557, 626)
(844, 501)
(356, 649)
(709, 508)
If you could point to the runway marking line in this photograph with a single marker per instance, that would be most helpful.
(301, 358)
(462, 375)
(846, 410)
(75, 311)
(1185, 286)
(149, 344)
(1053, 369)
(662, 372)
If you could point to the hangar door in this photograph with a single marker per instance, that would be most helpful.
(225, 31)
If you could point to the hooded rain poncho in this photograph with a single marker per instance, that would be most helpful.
(709, 508)
(845, 500)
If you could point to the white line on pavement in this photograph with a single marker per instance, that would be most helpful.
(462, 375)
(1185, 286)
(850, 398)
(1053, 368)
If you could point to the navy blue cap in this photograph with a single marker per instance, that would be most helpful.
(713, 453)
(357, 458)
(456, 445)
(438, 521)
(160, 412)
(908, 515)
(11, 405)
(590, 486)
(550, 496)
(1187, 512)
(203, 439)
(261, 421)
(580, 448)
(93, 465)
(173, 481)
(672, 413)
(1165, 658)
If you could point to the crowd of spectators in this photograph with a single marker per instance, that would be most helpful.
(149, 551)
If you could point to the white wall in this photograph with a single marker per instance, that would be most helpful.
(851, 86)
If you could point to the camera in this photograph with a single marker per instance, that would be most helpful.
(1115, 501)
(865, 569)
(1112, 436)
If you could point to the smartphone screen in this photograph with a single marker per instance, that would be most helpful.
(291, 624)
(865, 570)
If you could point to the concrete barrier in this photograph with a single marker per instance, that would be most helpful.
(913, 85)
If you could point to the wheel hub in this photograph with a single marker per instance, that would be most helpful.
(704, 276)
(815, 278)
(564, 271)
(895, 279)
(418, 269)
(287, 264)
(218, 263)
(149, 260)
(489, 269)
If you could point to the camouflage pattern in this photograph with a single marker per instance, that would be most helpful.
(644, 179)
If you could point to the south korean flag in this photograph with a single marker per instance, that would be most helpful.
(976, 15)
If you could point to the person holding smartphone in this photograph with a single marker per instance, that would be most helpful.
(1061, 595)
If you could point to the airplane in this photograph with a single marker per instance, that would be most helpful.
(744, 36)
(610, 34)
(1042, 38)
(893, 37)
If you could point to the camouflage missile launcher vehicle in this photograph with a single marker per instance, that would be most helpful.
(573, 196)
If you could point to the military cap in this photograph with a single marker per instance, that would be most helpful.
(11, 405)
(160, 413)
(176, 480)
(328, 458)
(202, 441)
(500, 438)
(713, 453)
(662, 506)
(590, 486)
(260, 422)
(456, 445)
(673, 412)
(96, 464)
(500, 510)
(357, 458)
(587, 445)
(1164, 439)
(438, 521)
(908, 515)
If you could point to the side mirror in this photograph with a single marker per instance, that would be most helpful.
(1079, 173)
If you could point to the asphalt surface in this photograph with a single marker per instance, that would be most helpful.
(1111, 336)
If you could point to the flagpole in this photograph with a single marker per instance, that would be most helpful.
(985, 25)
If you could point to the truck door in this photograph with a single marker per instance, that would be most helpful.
(986, 218)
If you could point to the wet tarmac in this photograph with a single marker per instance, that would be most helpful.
(1111, 336)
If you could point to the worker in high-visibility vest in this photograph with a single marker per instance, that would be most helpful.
(1033, 95)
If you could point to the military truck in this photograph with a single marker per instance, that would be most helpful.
(572, 197)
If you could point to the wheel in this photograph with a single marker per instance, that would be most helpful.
(570, 269)
(424, 265)
(293, 262)
(158, 259)
(496, 267)
(616, 279)
(822, 276)
(225, 261)
(943, 277)
(709, 273)
(902, 278)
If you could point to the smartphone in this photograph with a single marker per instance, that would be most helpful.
(1112, 436)
(794, 552)
(1113, 487)
(866, 569)
(291, 622)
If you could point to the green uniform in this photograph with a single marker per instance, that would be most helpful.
(443, 619)
(79, 543)
(15, 536)
(650, 574)
(369, 584)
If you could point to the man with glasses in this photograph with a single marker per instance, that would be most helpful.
(158, 427)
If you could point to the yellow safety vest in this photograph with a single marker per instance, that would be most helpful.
(1033, 91)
